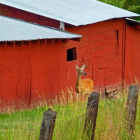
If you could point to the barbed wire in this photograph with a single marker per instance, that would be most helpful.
(18, 125)
(50, 117)
(64, 114)
(77, 109)
(113, 129)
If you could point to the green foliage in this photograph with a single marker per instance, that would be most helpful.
(69, 125)
(117, 3)
(133, 6)
(130, 5)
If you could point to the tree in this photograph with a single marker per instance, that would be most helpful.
(130, 5)
(117, 3)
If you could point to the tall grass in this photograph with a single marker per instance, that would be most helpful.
(69, 125)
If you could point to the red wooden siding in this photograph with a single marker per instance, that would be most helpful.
(23, 82)
(101, 51)
(132, 54)
(8, 73)
(42, 71)
(31, 72)
(30, 17)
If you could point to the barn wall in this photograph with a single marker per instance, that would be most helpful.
(31, 72)
(45, 69)
(97, 50)
(132, 55)
(30, 17)
(8, 73)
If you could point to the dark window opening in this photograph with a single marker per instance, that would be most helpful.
(71, 54)
(116, 42)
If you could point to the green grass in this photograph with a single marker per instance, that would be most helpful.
(69, 125)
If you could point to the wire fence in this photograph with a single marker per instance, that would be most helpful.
(28, 124)
(62, 114)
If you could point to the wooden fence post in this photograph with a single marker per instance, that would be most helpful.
(91, 114)
(47, 126)
(132, 107)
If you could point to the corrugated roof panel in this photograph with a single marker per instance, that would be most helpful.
(75, 12)
(14, 30)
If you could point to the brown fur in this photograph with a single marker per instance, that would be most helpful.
(83, 86)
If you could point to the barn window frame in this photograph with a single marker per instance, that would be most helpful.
(71, 54)
(116, 32)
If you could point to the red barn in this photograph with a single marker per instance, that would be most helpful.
(103, 45)
(28, 55)
(132, 52)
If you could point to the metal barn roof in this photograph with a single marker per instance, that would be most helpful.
(15, 30)
(75, 12)
(132, 20)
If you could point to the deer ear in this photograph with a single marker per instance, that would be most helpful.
(83, 67)
(77, 67)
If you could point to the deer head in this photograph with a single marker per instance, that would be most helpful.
(81, 70)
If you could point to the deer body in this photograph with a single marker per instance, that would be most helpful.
(83, 86)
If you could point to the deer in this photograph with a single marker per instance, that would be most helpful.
(83, 86)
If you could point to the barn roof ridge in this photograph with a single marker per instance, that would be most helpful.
(13, 29)
(129, 19)
(74, 12)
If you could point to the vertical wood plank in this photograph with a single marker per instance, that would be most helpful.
(47, 126)
(91, 113)
(132, 107)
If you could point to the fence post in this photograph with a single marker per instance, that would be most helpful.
(91, 113)
(132, 107)
(47, 126)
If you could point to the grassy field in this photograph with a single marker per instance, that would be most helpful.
(111, 121)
